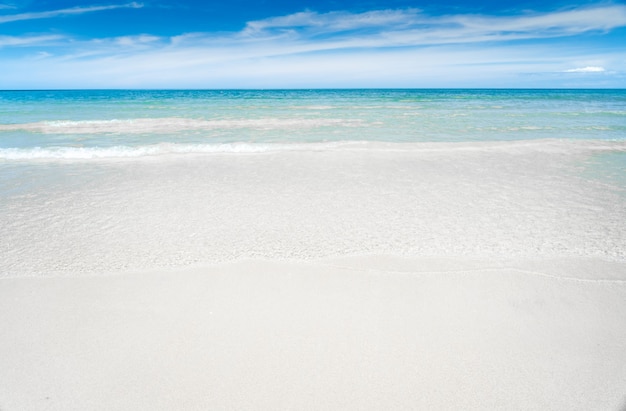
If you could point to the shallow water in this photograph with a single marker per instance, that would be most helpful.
(108, 181)
(90, 119)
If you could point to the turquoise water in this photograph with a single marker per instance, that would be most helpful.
(88, 120)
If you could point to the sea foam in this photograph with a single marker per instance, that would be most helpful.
(129, 152)
(172, 124)
(164, 149)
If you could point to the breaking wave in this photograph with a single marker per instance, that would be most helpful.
(161, 149)
(78, 153)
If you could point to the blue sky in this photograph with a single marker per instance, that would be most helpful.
(324, 43)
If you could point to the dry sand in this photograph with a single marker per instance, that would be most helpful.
(358, 333)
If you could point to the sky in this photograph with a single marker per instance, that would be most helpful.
(225, 44)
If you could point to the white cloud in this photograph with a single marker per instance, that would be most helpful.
(42, 55)
(310, 31)
(333, 21)
(28, 40)
(406, 27)
(134, 41)
(385, 48)
(193, 67)
(588, 69)
(63, 12)
(556, 23)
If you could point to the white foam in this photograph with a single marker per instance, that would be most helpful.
(85, 153)
(172, 124)
(313, 107)
(162, 149)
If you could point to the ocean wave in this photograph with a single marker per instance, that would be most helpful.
(313, 107)
(172, 124)
(85, 153)
(447, 148)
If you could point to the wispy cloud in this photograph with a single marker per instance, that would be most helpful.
(310, 31)
(377, 48)
(64, 12)
(28, 40)
(333, 22)
(128, 42)
(412, 27)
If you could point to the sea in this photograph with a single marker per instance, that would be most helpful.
(106, 181)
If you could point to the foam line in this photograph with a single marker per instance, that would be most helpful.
(172, 124)
(121, 152)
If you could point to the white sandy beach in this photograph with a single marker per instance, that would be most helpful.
(350, 333)
(484, 276)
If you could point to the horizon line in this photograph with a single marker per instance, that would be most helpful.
(313, 89)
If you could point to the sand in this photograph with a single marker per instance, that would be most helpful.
(299, 279)
(366, 332)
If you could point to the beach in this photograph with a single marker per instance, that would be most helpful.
(298, 250)
(364, 333)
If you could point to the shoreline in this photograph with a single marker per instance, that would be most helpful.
(84, 217)
(366, 332)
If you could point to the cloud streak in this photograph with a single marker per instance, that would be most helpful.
(7, 41)
(332, 21)
(64, 12)
(588, 69)
(412, 27)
